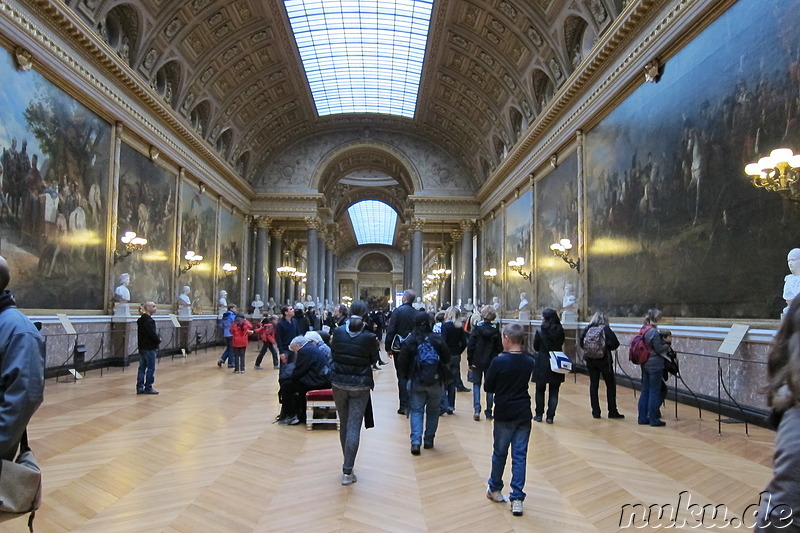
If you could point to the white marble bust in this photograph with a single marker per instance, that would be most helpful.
(418, 304)
(570, 300)
(496, 303)
(271, 305)
(523, 302)
(257, 304)
(469, 306)
(223, 298)
(121, 293)
(185, 302)
(791, 283)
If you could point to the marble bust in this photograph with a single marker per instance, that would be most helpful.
(185, 302)
(496, 303)
(523, 302)
(791, 283)
(569, 309)
(418, 304)
(469, 306)
(271, 305)
(222, 302)
(121, 293)
(257, 304)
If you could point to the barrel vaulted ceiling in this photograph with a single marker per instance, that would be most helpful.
(232, 70)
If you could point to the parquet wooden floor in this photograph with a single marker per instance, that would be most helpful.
(203, 456)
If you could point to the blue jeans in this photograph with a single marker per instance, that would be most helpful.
(238, 358)
(477, 380)
(651, 397)
(423, 401)
(516, 434)
(351, 405)
(228, 353)
(147, 370)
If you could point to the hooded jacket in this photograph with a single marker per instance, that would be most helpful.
(22, 358)
(483, 345)
(353, 353)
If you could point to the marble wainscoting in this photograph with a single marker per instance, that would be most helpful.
(109, 340)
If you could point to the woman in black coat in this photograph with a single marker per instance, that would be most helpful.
(549, 338)
(602, 366)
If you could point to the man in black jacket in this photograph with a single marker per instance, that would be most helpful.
(401, 323)
(148, 344)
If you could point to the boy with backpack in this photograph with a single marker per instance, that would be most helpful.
(598, 341)
(423, 361)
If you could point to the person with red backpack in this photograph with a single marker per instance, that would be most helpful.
(598, 341)
(266, 333)
(652, 370)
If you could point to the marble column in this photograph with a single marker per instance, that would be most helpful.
(467, 265)
(329, 275)
(276, 253)
(406, 266)
(416, 256)
(337, 297)
(261, 253)
(458, 267)
(447, 283)
(320, 296)
(313, 260)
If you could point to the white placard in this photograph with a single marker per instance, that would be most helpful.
(174, 318)
(733, 338)
(75, 373)
(64, 319)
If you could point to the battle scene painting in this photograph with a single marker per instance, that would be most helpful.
(198, 230)
(493, 257)
(556, 219)
(53, 206)
(147, 207)
(519, 216)
(673, 220)
(231, 243)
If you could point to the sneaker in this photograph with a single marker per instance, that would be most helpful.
(616, 415)
(548, 420)
(150, 391)
(376, 367)
(537, 418)
(516, 507)
(293, 421)
(401, 411)
(258, 367)
(476, 417)
(349, 479)
(495, 495)
(415, 449)
(219, 364)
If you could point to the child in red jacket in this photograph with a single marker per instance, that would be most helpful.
(240, 330)
(267, 335)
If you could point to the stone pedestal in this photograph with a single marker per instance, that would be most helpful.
(568, 316)
(525, 316)
(122, 310)
(185, 334)
(185, 313)
(124, 339)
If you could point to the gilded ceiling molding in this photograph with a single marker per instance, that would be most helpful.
(74, 31)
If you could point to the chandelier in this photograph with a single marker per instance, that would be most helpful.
(777, 172)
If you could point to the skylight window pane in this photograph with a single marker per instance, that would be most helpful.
(373, 49)
(373, 222)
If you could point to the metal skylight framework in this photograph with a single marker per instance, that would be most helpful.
(373, 222)
(362, 56)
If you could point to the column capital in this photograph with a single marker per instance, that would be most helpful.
(277, 232)
(417, 224)
(262, 222)
(456, 234)
(314, 223)
(467, 225)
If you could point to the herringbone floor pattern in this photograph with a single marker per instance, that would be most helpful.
(203, 456)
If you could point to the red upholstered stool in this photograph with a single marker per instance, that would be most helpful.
(320, 408)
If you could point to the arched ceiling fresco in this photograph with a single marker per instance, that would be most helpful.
(232, 70)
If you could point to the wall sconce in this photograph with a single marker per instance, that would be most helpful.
(228, 269)
(516, 266)
(286, 271)
(132, 244)
(202, 188)
(561, 249)
(778, 173)
(490, 274)
(192, 260)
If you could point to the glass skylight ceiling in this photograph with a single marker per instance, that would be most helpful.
(362, 56)
(373, 222)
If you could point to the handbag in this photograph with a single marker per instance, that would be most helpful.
(560, 363)
(20, 484)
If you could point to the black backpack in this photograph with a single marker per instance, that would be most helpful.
(427, 364)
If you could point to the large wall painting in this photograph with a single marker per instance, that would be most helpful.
(674, 221)
(231, 245)
(198, 231)
(147, 206)
(53, 207)
(519, 219)
(493, 257)
(556, 219)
